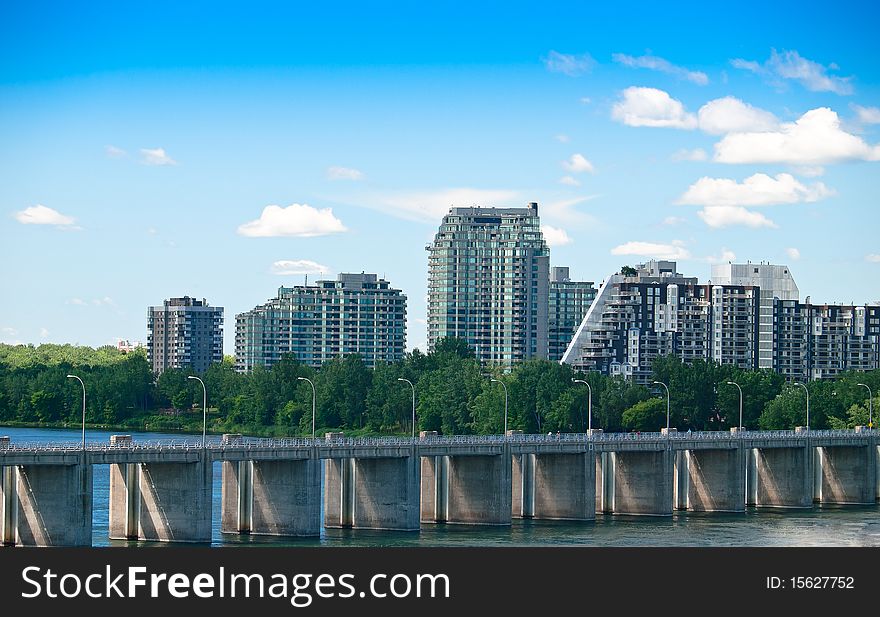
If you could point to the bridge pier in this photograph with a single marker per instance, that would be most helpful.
(847, 474)
(714, 480)
(554, 486)
(479, 489)
(372, 493)
(783, 477)
(54, 505)
(175, 500)
(642, 482)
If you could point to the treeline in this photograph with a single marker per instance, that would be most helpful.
(454, 395)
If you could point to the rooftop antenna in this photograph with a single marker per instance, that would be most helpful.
(307, 280)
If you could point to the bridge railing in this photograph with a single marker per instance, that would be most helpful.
(215, 442)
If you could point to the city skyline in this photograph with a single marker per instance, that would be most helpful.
(155, 160)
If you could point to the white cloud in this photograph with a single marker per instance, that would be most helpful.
(105, 301)
(873, 258)
(565, 211)
(793, 253)
(300, 220)
(555, 236)
(431, 206)
(578, 164)
(156, 156)
(44, 333)
(674, 220)
(585, 100)
(41, 215)
(731, 115)
(697, 154)
(664, 66)
(756, 190)
(569, 64)
(569, 181)
(814, 139)
(726, 255)
(867, 115)
(290, 267)
(791, 65)
(563, 139)
(9, 331)
(651, 107)
(725, 216)
(654, 250)
(344, 173)
(114, 153)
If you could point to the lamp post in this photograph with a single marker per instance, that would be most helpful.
(313, 401)
(505, 401)
(413, 404)
(589, 402)
(733, 383)
(870, 404)
(807, 390)
(667, 401)
(204, 408)
(84, 408)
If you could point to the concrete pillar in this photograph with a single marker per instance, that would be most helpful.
(848, 475)
(386, 493)
(680, 483)
(231, 489)
(564, 486)
(54, 505)
(523, 485)
(605, 482)
(434, 484)
(784, 477)
(284, 499)
(479, 489)
(124, 507)
(751, 476)
(338, 488)
(175, 501)
(643, 482)
(8, 504)
(716, 481)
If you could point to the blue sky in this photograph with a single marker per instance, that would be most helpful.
(142, 145)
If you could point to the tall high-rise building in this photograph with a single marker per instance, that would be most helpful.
(569, 302)
(657, 312)
(488, 283)
(820, 341)
(355, 314)
(775, 282)
(184, 332)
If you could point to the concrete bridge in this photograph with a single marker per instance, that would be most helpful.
(162, 491)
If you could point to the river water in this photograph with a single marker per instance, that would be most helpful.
(817, 526)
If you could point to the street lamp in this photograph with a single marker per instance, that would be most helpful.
(667, 401)
(313, 401)
(733, 383)
(505, 401)
(870, 404)
(204, 408)
(413, 402)
(589, 402)
(807, 390)
(84, 408)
